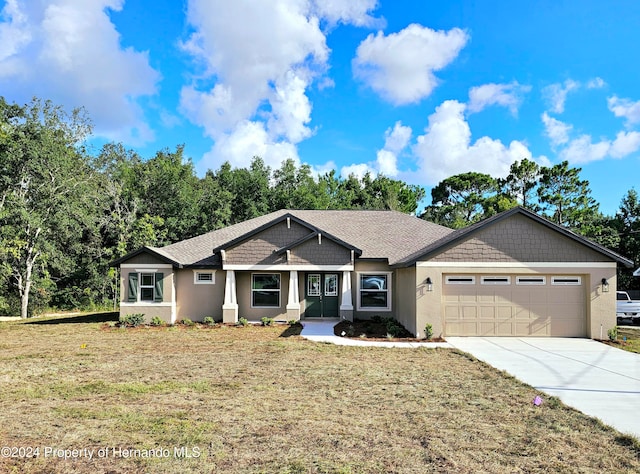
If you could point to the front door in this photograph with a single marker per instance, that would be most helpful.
(321, 295)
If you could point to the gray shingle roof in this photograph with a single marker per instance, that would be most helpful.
(379, 234)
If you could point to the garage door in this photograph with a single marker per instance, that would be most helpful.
(514, 305)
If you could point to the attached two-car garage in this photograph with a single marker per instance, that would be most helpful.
(514, 305)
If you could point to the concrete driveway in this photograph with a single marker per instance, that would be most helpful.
(592, 377)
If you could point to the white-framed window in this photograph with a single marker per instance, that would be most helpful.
(374, 291)
(204, 277)
(460, 280)
(566, 280)
(495, 280)
(147, 286)
(531, 280)
(265, 290)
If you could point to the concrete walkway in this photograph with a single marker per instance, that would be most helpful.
(597, 379)
(322, 331)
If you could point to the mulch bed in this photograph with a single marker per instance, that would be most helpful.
(375, 331)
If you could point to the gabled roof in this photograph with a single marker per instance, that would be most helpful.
(461, 234)
(314, 231)
(155, 251)
(385, 235)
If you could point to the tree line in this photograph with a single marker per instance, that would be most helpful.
(67, 212)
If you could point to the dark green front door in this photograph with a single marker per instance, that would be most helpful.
(321, 295)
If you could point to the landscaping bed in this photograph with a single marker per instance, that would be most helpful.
(378, 329)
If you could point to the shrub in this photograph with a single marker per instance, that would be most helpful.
(266, 321)
(187, 322)
(242, 322)
(293, 322)
(613, 333)
(133, 319)
(157, 321)
(428, 331)
(394, 328)
(208, 321)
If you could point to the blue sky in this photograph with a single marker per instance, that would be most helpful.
(416, 90)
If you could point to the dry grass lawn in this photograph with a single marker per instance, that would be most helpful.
(250, 400)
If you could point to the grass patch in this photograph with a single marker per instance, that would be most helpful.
(251, 400)
(628, 339)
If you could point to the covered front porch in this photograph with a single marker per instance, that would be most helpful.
(293, 294)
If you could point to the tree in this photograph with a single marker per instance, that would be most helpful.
(520, 185)
(565, 198)
(463, 199)
(47, 192)
(627, 224)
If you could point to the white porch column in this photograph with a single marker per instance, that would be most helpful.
(346, 305)
(230, 305)
(293, 301)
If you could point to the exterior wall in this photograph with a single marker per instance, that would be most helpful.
(326, 252)
(519, 239)
(144, 258)
(197, 301)
(600, 307)
(405, 300)
(371, 267)
(164, 309)
(243, 288)
(259, 249)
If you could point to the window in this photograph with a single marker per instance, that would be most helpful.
(531, 280)
(566, 280)
(204, 278)
(460, 280)
(495, 280)
(147, 286)
(374, 291)
(265, 290)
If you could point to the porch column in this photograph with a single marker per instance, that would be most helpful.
(346, 305)
(230, 305)
(293, 302)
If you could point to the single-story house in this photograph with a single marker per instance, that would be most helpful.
(514, 274)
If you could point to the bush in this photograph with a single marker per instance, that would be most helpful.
(187, 322)
(428, 331)
(157, 321)
(208, 321)
(613, 333)
(133, 319)
(266, 321)
(293, 322)
(242, 322)
(394, 328)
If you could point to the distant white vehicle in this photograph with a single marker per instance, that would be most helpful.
(626, 308)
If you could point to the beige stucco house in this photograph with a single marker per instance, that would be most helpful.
(514, 274)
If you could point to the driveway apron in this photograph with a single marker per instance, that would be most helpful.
(597, 379)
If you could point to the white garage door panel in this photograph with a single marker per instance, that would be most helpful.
(514, 310)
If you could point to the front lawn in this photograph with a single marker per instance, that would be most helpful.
(249, 399)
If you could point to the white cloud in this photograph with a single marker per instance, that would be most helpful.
(358, 170)
(557, 131)
(258, 60)
(355, 12)
(75, 46)
(446, 148)
(596, 83)
(396, 139)
(400, 67)
(247, 140)
(556, 94)
(582, 150)
(506, 95)
(625, 108)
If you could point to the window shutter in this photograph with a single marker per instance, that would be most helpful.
(132, 292)
(159, 294)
